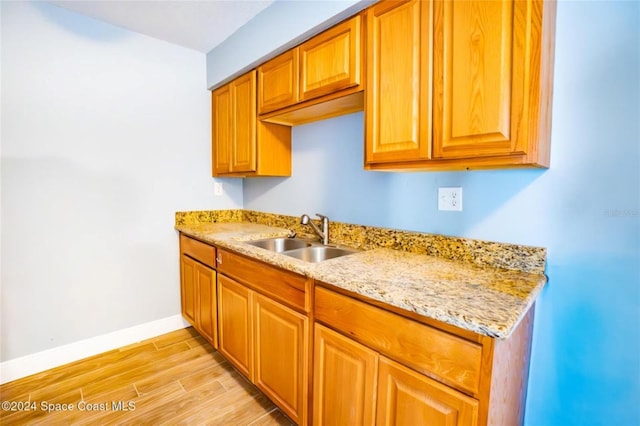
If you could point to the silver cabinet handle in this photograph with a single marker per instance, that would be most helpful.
(219, 259)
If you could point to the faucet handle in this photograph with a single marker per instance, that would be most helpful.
(321, 216)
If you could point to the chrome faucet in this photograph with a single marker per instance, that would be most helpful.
(324, 234)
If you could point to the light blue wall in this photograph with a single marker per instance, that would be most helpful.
(585, 366)
(274, 30)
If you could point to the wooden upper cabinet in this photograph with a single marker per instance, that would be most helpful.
(319, 79)
(222, 129)
(493, 77)
(278, 82)
(242, 145)
(480, 67)
(480, 73)
(481, 70)
(398, 92)
(448, 85)
(234, 126)
(244, 112)
(331, 61)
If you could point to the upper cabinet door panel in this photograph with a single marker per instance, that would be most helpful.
(278, 82)
(331, 61)
(244, 99)
(222, 123)
(398, 95)
(475, 95)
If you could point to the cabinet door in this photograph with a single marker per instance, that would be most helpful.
(242, 146)
(281, 361)
(244, 127)
(222, 131)
(477, 111)
(408, 398)
(188, 280)
(344, 391)
(234, 323)
(398, 106)
(278, 82)
(207, 310)
(331, 61)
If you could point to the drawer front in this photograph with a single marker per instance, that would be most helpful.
(283, 286)
(198, 250)
(443, 356)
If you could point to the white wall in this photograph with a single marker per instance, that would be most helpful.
(105, 134)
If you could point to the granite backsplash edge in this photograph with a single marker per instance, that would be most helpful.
(478, 252)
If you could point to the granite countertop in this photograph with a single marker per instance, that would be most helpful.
(487, 300)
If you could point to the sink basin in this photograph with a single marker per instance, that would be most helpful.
(279, 244)
(319, 253)
(301, 249)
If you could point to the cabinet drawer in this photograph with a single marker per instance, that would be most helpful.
(448, 358)
(198, 250)
(283, 286)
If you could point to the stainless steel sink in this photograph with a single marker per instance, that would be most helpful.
(301, 249)
(319, 253)
(279, 245)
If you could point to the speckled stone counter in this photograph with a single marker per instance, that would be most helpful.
(463, 292)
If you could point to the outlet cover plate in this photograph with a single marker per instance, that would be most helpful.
(450, 199)
(217, 189)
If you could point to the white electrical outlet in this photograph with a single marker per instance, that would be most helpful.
(450, 199)
(217, 189)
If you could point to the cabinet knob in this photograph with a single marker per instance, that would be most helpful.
(219, 259)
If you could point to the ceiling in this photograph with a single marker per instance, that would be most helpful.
(199, 25)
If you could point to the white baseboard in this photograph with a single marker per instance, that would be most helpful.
(17, 368)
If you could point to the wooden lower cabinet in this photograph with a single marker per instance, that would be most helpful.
(344, 380)
(423, 371)
(188, 286)
(268, 343)
(198, 288)
(234, 323)
(280, 343)
(354, 385)
(408, 398)
(207, 312)
(371, 365)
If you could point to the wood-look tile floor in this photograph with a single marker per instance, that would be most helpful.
(176, 378)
